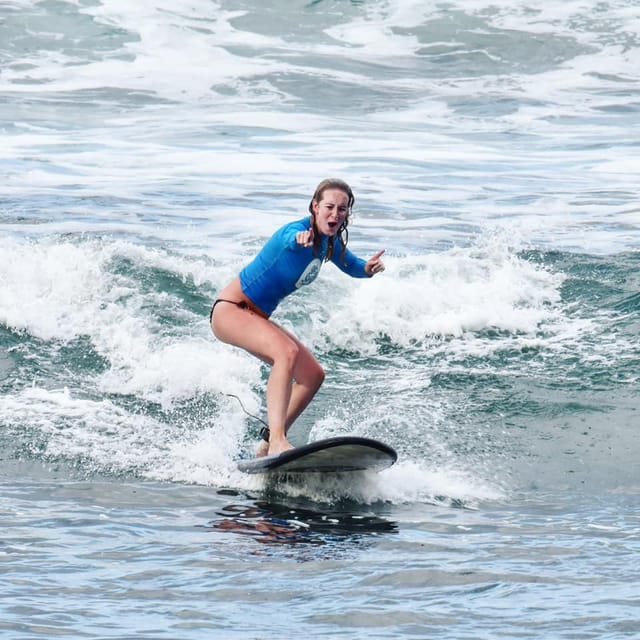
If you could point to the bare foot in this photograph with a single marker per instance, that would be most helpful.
(278, 446)
(262, 449)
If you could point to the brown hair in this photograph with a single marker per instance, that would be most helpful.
(343, 232)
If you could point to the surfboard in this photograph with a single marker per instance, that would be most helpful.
(332, 455)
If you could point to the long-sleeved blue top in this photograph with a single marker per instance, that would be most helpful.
(282, 266)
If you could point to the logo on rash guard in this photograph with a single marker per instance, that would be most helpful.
(309, 274)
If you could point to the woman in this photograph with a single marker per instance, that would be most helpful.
(291, 258)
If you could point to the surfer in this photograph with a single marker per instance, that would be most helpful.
(291, 258)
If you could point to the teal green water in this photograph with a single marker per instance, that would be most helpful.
(149, 150)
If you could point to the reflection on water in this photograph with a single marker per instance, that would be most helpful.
(271, 523)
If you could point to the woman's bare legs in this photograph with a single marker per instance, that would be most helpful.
(295, 374)
(308, 376)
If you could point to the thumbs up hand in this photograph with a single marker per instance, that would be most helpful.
(374, 264)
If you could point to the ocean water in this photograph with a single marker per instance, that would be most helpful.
(148, 149)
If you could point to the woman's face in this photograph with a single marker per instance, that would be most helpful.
(330, 211)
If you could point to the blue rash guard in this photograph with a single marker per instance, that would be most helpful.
(282, 266)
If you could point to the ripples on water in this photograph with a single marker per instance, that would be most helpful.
(148, 151)
(163, 560)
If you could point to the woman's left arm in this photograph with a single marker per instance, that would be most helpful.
(357, 267)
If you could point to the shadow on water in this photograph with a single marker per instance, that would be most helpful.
(273, 523)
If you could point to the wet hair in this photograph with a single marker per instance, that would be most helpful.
(343, 232)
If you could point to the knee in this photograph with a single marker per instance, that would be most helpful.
(316, 376)
(288, 354)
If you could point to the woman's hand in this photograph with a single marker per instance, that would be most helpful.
(305, 238)
(374, 264)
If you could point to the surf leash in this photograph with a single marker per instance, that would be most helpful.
(264, 431)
